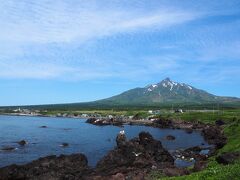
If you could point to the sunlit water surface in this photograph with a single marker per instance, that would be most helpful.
(93, 141)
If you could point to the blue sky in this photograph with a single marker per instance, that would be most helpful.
(82, 50)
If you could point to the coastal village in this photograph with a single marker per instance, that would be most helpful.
(35, 112)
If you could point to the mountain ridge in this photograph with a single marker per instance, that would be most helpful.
(165, 92)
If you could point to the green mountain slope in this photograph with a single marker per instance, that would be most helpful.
(166, 92)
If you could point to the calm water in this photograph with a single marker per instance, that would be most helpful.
(93, 141)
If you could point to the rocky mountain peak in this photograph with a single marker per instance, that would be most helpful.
(165, 92)
(167, 79)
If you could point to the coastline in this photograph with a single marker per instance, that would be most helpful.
(207, 131)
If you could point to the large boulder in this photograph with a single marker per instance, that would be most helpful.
(219, 122)
(163, 123)
(174, 171)
(104, 122)
(170, 137)
(189, 130)
(51, 167)
(8, 148)
(91, 120)
(121, 140)
(228, 158)
(22, 143)
(43, 126)
(199, 165)
(138, 154)
(214, 135)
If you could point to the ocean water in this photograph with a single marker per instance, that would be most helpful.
(93, 141)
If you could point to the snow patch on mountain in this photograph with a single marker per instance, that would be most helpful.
(170, 84)
(149, 89)
(164, 85)
(174, 83)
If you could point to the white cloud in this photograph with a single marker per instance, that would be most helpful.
(25, 22)
(25, 25)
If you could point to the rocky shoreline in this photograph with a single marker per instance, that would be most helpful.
(130, 159)
(213, 134)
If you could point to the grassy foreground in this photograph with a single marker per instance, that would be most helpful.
(215, 170)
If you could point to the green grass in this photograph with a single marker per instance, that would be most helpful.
(206, 117)
(214, 171)
(232, 131)
(217, 172)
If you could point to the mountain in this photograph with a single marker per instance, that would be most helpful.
(163, 94)
(166, 92)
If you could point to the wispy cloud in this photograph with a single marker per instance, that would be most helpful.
(25, 21)
(26, 25)
(39, 38)
(28, 69)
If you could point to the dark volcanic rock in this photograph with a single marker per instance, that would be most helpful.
(175, 171)
(121, 140)
(43, 126)
(198, 125)
(104, 122)
(137, 154)
(170, 137)
(227, 158)
(214, 135)
(189, 131)
(8, 148)
(196, 149)
(219, 122)
(91, 120)
(63, 167)
(163, 123)
(64, 144)
(22, 143)
(200, 165)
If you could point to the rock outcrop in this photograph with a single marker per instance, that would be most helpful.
(140, 154)
(104, 122)
(8, 148)
(214, 135)
(51, 167)
(228, 158)
(219, 122)
(22, 143)
(130, 159)
(170, 137)
(163, 123)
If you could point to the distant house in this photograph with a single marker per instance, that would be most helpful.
(17, 110)
(26, 111)
(130, 117)
(154, 112)
(178, 111)
(150, 111)
(84, 115)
